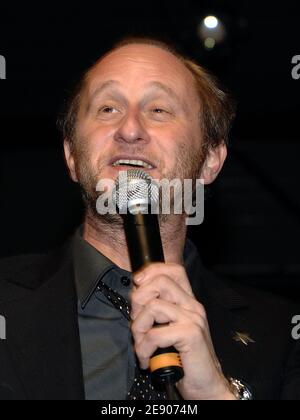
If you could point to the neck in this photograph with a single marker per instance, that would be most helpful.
(109, 239)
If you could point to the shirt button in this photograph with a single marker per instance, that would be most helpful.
(125, 281)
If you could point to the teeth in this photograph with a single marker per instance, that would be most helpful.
(140, 163)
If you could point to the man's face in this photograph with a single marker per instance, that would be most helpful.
(139, 103)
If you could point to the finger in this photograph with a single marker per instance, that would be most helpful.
(166, 289)
(162, 312)
(176, 335)
(175, 271)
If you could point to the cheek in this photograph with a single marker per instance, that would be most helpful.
(94, 142)
(93, 132)
(97, 136)
(171, 142)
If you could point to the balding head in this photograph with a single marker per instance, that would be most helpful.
(218, 109)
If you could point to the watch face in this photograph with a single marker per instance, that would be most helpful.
(241, 390)
(246, 393)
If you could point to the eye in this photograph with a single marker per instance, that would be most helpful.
(158, 110)
(108, 110)
(160, 113)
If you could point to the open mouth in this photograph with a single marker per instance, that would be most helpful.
(132, 163)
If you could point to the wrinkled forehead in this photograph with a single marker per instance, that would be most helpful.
(139, 62)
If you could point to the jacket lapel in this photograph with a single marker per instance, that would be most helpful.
(227, 313)
(227, 323)
(42, 330)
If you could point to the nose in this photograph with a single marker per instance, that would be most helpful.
(132, 129)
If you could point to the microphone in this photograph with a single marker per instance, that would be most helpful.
(135, 195)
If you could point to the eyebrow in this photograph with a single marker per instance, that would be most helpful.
(165, 88)
(156, 85)
(100, 89)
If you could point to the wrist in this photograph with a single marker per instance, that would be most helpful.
(225, 392)
(221, 391)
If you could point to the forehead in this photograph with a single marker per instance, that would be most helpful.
(136, 65)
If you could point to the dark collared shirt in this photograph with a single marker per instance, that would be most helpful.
(106, 341)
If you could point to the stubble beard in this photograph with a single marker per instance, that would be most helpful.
(188, 165)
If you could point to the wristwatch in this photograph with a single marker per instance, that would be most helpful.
(240, 390)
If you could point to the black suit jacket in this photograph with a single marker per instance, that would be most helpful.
(41, 358)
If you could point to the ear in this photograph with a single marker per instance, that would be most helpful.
(70, 160)
(214, 162)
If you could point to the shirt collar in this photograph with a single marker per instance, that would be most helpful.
(90, 266)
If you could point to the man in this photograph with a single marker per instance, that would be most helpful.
(68, 336)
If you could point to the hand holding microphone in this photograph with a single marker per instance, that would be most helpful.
(169, 325)
(134, 196)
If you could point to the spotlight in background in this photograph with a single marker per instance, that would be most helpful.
(211, 32)
(211, 22)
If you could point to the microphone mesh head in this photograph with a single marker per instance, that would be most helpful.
(135, 190)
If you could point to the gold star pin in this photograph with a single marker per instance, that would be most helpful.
(243, 338)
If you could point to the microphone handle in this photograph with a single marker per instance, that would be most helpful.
(145, 247)
(143, 240)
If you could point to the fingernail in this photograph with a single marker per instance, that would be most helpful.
(139, 277)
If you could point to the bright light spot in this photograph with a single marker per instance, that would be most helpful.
(210, 43)
(211, 22)
(211, 32)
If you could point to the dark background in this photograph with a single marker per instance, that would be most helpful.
(252, 221)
